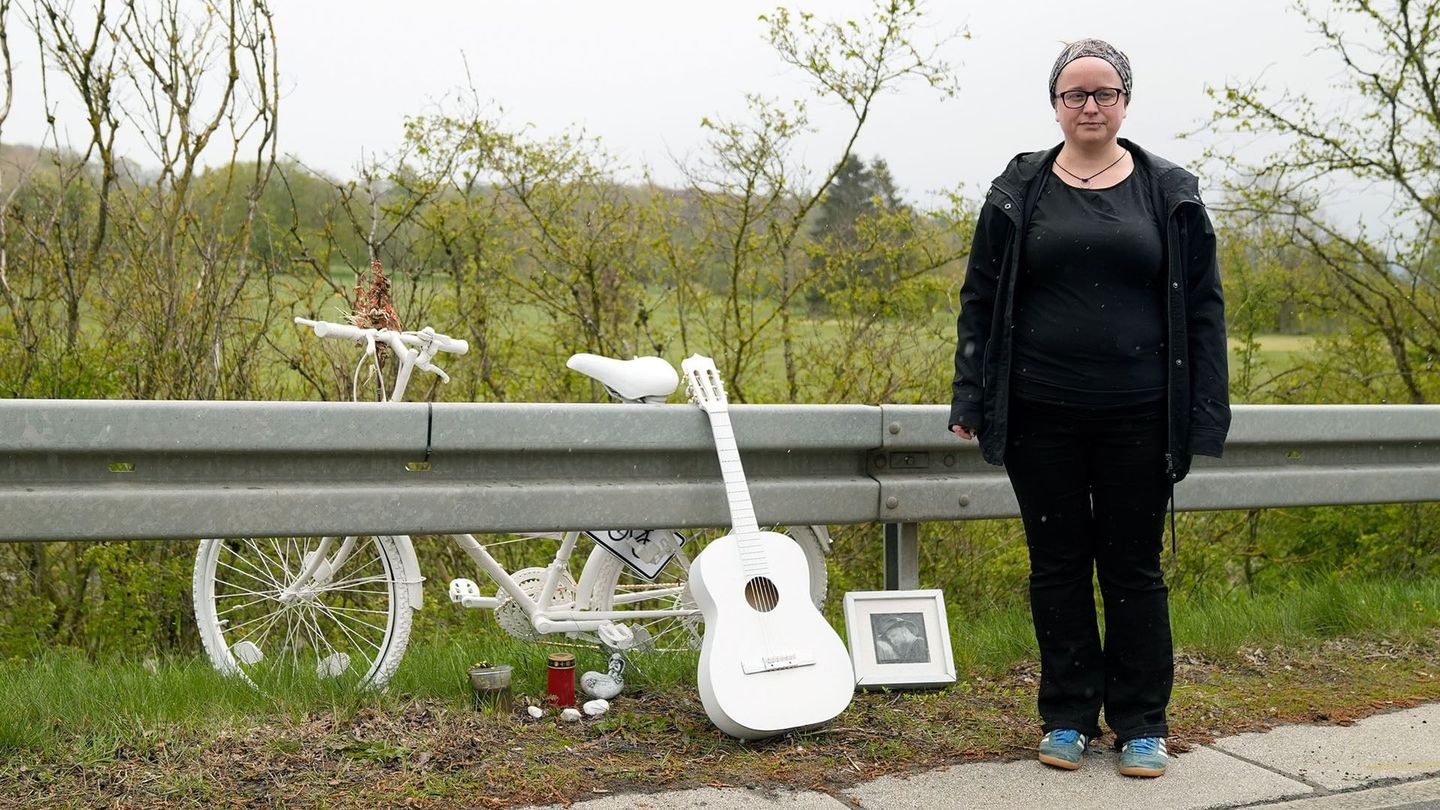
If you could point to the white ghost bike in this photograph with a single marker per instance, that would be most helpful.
(341, 607)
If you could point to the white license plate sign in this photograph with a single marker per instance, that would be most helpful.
(645, 551)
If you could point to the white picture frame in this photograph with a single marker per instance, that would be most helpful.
(899, 639)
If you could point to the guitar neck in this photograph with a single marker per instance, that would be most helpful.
(742, 512)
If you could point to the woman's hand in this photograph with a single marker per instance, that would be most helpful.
(966, 433)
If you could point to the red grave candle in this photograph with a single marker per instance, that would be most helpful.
(560, 679)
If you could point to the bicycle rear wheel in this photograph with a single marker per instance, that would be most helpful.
(350, 624)
(606, 583)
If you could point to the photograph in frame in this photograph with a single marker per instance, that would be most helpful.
(899, 639)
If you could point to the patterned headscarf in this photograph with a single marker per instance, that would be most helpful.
(1092, 47)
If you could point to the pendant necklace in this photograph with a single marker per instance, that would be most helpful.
(1086, 180)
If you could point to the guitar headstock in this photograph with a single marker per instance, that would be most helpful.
(702, 382)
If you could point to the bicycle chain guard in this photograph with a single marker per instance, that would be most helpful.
(512, 617)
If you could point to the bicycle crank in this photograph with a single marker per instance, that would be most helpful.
(509, 614)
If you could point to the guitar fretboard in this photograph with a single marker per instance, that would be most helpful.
(742, 512)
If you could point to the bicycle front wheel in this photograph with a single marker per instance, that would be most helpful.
(349, 623)
(606, 584)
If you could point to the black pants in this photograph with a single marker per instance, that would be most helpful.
(1092, 490)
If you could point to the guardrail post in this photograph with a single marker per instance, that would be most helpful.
(902, 556)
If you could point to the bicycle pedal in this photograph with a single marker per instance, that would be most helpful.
(616, 636)
(461, 588)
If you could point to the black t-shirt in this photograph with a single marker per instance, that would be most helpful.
(1089, 306)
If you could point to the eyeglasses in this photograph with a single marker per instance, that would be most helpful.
(1075, 99)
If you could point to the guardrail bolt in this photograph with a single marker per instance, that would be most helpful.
(964, 500)
(892, 502)
(879, 461)
(894, 428)
(949, 459)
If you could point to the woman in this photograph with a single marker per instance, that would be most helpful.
(1091, 363)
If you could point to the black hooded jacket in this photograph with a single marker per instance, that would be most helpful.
(1198, 376)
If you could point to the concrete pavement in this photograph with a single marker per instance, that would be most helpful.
(1386, 761)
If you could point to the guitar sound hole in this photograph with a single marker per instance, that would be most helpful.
(762, 594)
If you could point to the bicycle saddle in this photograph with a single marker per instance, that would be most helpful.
(650, 379)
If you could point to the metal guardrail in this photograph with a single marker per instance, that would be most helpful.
(1276, 455)
(134, 470)
(84, 469)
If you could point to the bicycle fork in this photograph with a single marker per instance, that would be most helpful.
(317, 568)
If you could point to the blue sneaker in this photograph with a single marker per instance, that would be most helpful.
(1063, 748)
(1144, 756)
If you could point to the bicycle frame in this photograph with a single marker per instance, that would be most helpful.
(546, 615)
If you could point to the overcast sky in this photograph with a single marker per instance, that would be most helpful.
(642, 74)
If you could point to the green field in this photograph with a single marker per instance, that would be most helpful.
(1277, 351)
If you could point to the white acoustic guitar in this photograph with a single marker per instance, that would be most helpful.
(769, 662)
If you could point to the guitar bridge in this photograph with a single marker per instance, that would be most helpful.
(770, 663)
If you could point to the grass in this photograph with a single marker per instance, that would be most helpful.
(1276, 353)
(64, 708)
(303, 293)
(63, 693)
(51, 703)
(1399, 611)
(405, 749)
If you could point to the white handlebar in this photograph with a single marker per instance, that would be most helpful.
(444, 343)
(328, 329)
(412, 349)
(424, 338)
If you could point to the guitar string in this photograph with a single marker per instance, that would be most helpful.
(765, 592)
(763, 619)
